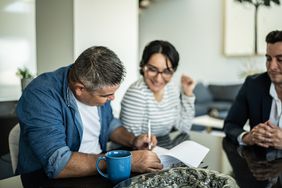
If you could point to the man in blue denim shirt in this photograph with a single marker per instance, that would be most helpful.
(56, 126)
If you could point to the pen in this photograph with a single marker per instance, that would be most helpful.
(149, 134)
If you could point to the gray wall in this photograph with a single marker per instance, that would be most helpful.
(17, 44)
(113, 24)
(54, 34)
(196, 28)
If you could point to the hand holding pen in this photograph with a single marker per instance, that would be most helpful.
(145, 141)
(141, 142)
(152, 140)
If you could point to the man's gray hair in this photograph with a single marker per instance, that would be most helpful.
(97, 67)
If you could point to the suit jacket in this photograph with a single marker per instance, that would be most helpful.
(252, 103)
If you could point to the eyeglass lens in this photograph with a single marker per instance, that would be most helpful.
(153, 71)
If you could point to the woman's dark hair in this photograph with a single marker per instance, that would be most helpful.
(273, 37)
(163, 47)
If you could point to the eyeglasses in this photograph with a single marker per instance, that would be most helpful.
(153, 71)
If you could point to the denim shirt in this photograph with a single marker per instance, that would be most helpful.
(51, 127)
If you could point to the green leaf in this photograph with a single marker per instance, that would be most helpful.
(24, 73)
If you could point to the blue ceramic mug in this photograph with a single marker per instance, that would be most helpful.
(118, 165)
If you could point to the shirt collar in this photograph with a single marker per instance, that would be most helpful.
(272, 92)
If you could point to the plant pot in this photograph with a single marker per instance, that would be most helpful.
(25, 82)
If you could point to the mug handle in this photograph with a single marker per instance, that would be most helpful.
(97, 166)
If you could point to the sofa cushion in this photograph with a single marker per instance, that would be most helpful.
(224, 92)
(202, 93)
(220, 105)
(201, 109)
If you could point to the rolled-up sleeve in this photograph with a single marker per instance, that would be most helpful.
(58, 161)
(44, 134)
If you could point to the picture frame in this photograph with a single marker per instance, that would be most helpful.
(239, 27)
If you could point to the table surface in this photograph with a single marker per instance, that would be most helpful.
(249, 167)
(254, 166)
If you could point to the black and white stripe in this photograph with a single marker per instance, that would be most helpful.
(139, 105)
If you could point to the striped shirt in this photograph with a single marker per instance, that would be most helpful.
(139, 105)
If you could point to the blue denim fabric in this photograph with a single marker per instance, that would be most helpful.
(51, 127)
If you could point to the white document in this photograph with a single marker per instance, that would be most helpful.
(189, 152)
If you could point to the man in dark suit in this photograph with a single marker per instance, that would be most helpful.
(259, 101)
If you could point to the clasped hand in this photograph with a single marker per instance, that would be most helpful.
(265, 135)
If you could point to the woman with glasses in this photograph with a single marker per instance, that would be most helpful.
(154, 99)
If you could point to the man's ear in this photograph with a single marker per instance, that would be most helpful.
(78, 89)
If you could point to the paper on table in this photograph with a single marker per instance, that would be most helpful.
(189, 152)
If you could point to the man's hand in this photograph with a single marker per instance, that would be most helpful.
(248, 139)
(274, 136)
(258, 135)
(142, 141)
(145, 161)
(121, 136)
(265, 135)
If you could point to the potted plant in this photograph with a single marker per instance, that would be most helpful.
(25, 76)
(250, 67)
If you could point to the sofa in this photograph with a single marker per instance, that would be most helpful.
(214, 99)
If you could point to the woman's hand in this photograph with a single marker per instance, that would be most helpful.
(188, 85)
(143, 141)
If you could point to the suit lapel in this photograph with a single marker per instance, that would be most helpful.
(266, 99)
(266, 107)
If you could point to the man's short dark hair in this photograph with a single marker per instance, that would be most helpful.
(162, 47)
(273, 37)
(97, 67)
